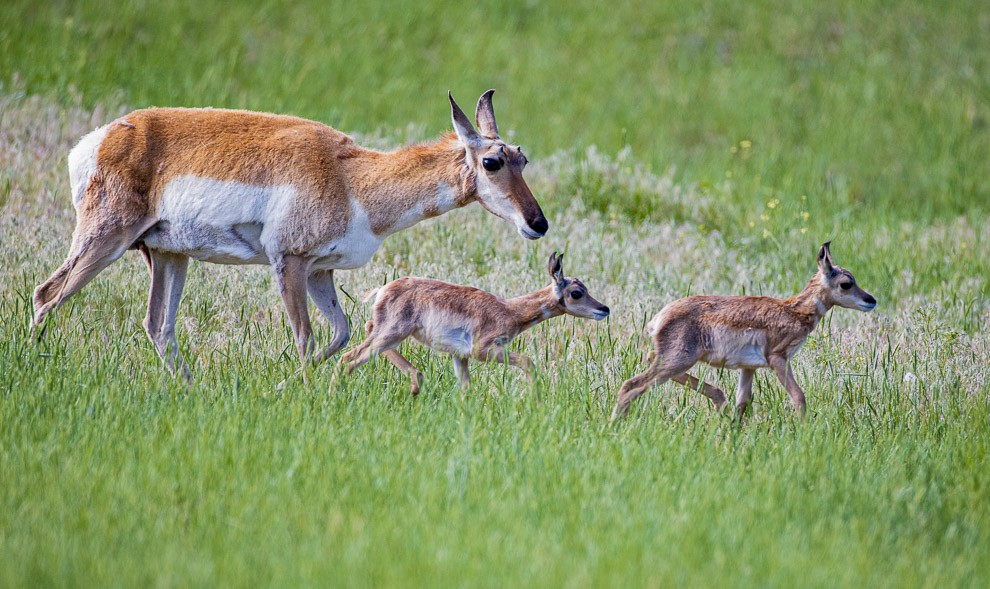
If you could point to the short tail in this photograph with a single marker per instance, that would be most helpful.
(653, 325)
(370, 295)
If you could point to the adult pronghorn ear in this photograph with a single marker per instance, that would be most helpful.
(556, 269)
(825, 259)
(462, 125)
(484, 116)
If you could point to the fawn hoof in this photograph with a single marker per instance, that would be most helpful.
(417, 382)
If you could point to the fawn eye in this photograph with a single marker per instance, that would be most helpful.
(577, 295)
(491, 164)
(846, 285)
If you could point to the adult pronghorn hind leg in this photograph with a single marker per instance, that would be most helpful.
(324, 294)
(714, 393)
(291, 273)
(94, 247)
(168, 278)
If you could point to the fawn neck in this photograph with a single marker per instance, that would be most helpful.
(811, 302)
(534, 308)
(403, 187)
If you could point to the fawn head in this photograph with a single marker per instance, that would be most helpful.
(498, 168)
(572, 295)
(839, 285)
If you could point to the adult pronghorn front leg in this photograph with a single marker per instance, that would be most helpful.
(324, 294)
(291, 273)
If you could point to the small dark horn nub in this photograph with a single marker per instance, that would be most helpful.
(555, 267)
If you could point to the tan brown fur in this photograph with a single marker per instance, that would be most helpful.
(230, 186)
(480, 325)
(742, 333)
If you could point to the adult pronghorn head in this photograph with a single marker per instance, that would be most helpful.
(498, 168)
(839, 285)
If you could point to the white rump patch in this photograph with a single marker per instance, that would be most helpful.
(82, 161)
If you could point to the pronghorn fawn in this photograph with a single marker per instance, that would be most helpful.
(465, 322)
(743, 333)
(237, 187)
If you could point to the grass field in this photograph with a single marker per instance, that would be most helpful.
(677, 149)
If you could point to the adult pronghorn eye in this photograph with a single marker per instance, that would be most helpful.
(846, 285)
(577, 295)
(491, 164)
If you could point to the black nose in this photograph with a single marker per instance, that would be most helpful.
(540, 225)
(869, 300)
(604, 309)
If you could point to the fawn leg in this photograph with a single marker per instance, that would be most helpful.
(712, 392)
(782, 368)
(400, 362)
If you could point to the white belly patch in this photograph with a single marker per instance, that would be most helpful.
(218, 221)
(736, 348)
(444, 333)
(229, 222)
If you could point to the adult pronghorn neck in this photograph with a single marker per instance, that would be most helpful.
(810, 302)
(400, 188)
(534, 308)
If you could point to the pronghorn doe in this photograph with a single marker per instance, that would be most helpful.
(742, 333)
(464, 322)
(237, 187)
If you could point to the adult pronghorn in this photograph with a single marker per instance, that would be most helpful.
(237, 187)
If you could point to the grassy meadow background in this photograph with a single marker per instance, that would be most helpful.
(677, 148)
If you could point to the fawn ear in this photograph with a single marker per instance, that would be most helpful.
(555, 268)
(825, 259)
(484, 116)
(463, 127)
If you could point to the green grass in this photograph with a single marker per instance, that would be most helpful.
(863, 122)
